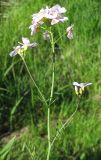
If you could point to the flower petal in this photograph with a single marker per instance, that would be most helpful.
(25, 40)
(13, 53)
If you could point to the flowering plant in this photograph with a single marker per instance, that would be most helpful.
(53, 15)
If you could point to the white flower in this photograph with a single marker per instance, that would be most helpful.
(27, 43)
(79, 87)
(22, 47)
(56, 14)
(15, 51)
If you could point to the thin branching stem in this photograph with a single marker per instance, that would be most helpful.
(66, 123)
(51, 96)
(41, 94)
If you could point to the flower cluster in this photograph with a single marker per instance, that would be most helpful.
(22, 47)
(54, 14)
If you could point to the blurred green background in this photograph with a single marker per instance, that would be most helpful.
(22, 113)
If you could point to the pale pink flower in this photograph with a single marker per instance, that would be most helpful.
(22, 47)
(37, 20)
(56, 14)
(69, 31)
(33, 29)
(58, 8)
(46, 35)
(27, 43)
(15, 51)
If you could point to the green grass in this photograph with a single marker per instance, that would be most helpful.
(78, 60)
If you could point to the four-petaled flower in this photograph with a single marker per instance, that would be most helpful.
(55, 14)
(22, 47)
(79, 87)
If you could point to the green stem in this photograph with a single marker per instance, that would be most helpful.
(48, 130)
(59, 38)
(51, 96)
(52, 87)
(42, 96)
(65, 124)
(53, 67)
